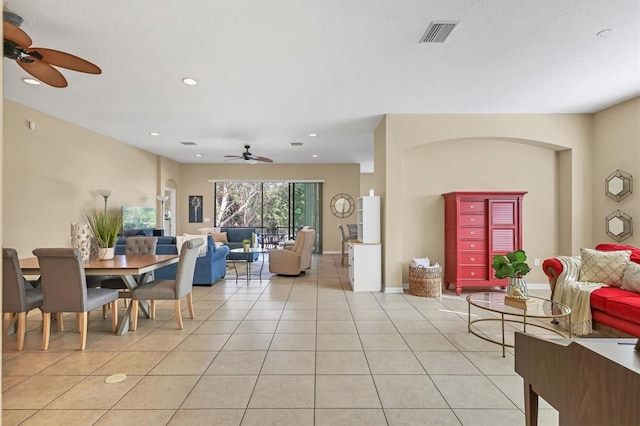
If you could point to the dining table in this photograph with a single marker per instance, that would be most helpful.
(126, 267)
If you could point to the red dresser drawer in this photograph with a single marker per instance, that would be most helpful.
(471, 219)
(475, 233)
(471, 206)
(473, 273)
(479, 258)
(471, 245)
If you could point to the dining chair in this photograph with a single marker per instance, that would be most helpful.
(65, 290)
(170, 289)
(18, 295)
(344, 240)
(135, 246)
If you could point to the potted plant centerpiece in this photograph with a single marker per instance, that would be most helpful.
(513, 266)
(105, 227)
(246, 244)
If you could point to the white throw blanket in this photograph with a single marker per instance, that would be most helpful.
(576, 295)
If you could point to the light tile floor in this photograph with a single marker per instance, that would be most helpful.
(287, 351)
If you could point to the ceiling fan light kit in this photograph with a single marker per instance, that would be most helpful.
(39, 61)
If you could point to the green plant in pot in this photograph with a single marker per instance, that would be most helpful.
(246, 244)
(513, 266)
(105, 227)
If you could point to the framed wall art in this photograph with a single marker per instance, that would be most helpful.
(195, 208)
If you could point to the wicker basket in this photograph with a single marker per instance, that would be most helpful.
(425, 282)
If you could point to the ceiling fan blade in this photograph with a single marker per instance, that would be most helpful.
(16, 35)
(44, 72)
(65, 60)
(263, 159)
(234, 156)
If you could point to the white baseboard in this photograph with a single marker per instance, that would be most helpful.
(396, 290)
(331, 252)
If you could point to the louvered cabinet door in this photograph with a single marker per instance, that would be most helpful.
(479, 225)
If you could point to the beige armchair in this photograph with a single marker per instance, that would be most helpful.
(297, 259)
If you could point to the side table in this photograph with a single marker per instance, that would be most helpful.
(249, 255)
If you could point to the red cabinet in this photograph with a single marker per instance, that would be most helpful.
(477, 226)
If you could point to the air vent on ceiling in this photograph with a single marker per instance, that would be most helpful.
(189, 143)
(296, 144)
(438, 31)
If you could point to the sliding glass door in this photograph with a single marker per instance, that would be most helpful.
(277, 209)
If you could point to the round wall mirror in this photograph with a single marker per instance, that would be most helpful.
(342, 205)
(619, 225)
(618, 185)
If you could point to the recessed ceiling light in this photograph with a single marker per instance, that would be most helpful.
(198, 155)
(314, 155)
(31, 81)
(190, 81)
(604, 32)
(313, 135)
(154, 133)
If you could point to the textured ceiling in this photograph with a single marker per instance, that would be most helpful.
(271, 72)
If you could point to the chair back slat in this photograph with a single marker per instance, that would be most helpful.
(187, 267)
(63, 279)
(14, 298)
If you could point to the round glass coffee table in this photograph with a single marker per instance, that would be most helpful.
(249, 260)
(540, 309)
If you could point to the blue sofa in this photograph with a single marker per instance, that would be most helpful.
(209, 268)
(234, 238)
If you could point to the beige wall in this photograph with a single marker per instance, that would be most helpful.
(617, 146)
(428, 173)
(335, 177)
(401, 134)
(51, 174)
(367, 182)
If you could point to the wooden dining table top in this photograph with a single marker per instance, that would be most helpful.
(119, 265)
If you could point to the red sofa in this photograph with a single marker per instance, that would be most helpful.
(613, 309)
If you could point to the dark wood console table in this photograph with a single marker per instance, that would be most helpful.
(589, 381)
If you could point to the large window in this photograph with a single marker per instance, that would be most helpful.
(277, 209)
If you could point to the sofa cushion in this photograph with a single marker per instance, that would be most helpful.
(206, 231)
(627, 308)
(599, 297)
(220, 237)
(631, 278)
(603, 266)
(635, 251)
(238, 234)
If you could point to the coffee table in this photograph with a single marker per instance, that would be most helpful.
(494, 302)
(249, 255)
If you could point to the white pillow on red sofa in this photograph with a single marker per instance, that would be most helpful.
(603, 266)
(631, 278)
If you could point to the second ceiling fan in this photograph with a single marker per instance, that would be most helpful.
(248, 157)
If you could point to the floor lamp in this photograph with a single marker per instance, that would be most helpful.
(162, 199)
(106, 193)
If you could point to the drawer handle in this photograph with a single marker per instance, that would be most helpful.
(473, 259)
(473, 273)
(473, 246)
(472, 206)
(473, 232)
(473, 219)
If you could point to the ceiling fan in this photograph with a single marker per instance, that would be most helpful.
(38, 61)
(248, 157)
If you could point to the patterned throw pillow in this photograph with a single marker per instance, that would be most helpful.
(603, 266)
(631, 278)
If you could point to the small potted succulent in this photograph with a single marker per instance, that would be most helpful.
(246, 244)
(513, 266)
